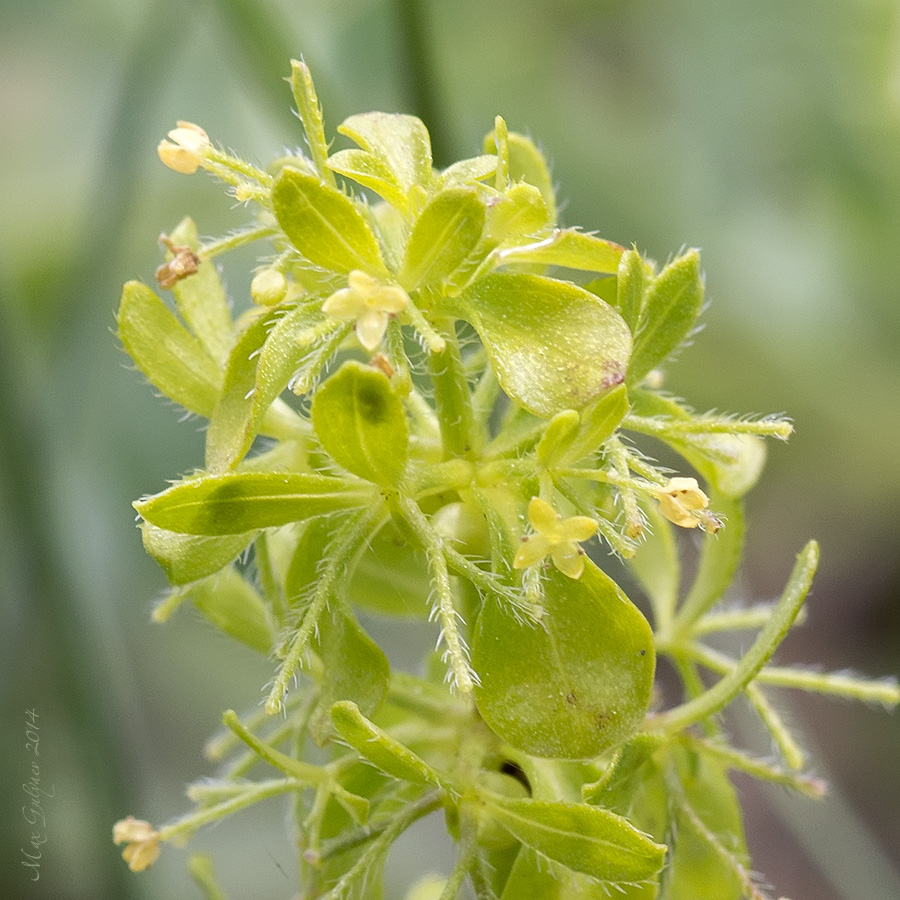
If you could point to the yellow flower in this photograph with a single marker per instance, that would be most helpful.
(186, 153)
(555, 536)
(683, 503)
(370, 302)
(142, 839)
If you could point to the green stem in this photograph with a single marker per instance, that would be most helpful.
(340, 553)
(444, 606)
(722, 693)
(261, 790)
(452, 398)
(292, 767)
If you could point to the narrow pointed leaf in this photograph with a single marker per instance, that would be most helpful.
(469, 171)
(170, 358)
(670, 310)
(569, 439)
(446, 232)
(630, 288)
(553, 345)
(324, 225)
(574, 684)
(201, 299)
(235, 503)
(361, 423)
(234, 422)
(570, 249)
(377, 746)
(583, 838)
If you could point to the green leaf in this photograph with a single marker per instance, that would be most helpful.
(671, 306)
(234, 606)
(630, 288)
(719, 560)
(361, 423)
(583, 838)
(520, 210)
(170, 358)
(354, 668)
(236, 418)
(576, 683)
(400, 142)
(371, 172)
(201, 299)
(698, 867)
(391, 577)
(527, 163)
(570, 437)
(553, 345)
(186, 557)
(238, 502)
(446, 232)
(657, 564)
(324, 225)
(534, 877)
(469, 171)
(567, 248)
(379, 748)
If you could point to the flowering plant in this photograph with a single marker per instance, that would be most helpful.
(436, 398)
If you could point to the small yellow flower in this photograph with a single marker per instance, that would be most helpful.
(142, 839)
(370, 302)
(683, 503)
(186, 153)
(555, 536)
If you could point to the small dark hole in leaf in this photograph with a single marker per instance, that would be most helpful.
(514, 770)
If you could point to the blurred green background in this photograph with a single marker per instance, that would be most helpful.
(767, 134)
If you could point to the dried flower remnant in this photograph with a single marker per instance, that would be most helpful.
(370, 302)
(184, 262)
(142, 841)
(555, 536)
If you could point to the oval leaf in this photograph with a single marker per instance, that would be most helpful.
(445, 233)
(361, 423)
(170, 358)
(245, 501)
(553, 345)
(324, 225)
(401, 142)
(574, 684)
(232, 605)
(186, 557)
(583, 838)
(371, 172)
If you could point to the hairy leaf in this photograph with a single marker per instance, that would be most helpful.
(574, 684)
(553, 345)
(361, 423)
(235, 503)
